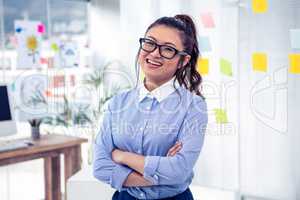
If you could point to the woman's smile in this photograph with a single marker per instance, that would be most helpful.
(153, 63)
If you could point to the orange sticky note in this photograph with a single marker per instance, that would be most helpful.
(203, 66)
(48, 93)
(294, 63)
(259, 62)
(259, 6)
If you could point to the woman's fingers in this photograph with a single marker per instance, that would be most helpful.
(174, 149)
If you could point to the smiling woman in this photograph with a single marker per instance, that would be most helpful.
(160, 64)
(151, 136)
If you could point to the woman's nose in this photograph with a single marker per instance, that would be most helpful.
(156, 53)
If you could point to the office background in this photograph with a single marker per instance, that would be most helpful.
(254, 152)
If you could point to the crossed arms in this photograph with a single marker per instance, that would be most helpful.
(127, 169)
(137, 163)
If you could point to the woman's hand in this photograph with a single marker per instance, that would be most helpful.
(132, 160)
(174, 149)
(117, 156)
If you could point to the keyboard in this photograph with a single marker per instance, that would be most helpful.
(14, 145)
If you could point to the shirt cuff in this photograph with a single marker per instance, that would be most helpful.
(151, 164)
(119, 175)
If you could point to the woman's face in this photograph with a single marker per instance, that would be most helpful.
(156, 68)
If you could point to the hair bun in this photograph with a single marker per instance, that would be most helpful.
(184, 18)
(188, 21)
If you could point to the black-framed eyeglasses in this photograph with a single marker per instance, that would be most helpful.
(165, 51)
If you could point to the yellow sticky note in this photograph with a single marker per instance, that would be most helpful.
(260, 62)
(203, 66)
(221, 116)
(294, 63)
(260, 6)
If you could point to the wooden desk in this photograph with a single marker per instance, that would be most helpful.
(50, 147)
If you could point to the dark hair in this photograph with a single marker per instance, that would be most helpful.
(186, 75)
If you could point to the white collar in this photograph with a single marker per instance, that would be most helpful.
(160, 93)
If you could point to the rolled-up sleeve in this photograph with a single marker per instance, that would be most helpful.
(104, 168)
(172, 170)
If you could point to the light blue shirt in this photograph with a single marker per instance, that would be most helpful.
(149, 123)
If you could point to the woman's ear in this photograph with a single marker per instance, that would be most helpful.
(186, 60)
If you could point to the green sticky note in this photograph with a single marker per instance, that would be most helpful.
(225, 67)
(221, 116)
(259, 6)
(260, 62)
(54, 47)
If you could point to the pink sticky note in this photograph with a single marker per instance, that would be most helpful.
(13, 40)
(43, 61)
(58, 81)
(207, 20)
(41, 28)
(72, 80)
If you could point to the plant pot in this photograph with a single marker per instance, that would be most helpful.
(35, 133)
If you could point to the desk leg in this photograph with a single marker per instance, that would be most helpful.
(72, 162)
(52, 178)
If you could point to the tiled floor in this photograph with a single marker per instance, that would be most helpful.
(22, 181)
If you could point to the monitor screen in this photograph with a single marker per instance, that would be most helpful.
(5, 114)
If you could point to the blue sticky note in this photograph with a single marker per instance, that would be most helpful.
(295, 38)
(204, 44)
(18, 30)
(13, 87)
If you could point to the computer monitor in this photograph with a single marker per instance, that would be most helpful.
(7, 120)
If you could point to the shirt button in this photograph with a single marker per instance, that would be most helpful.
(141, 128)
(148, 108)
(141, 194)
